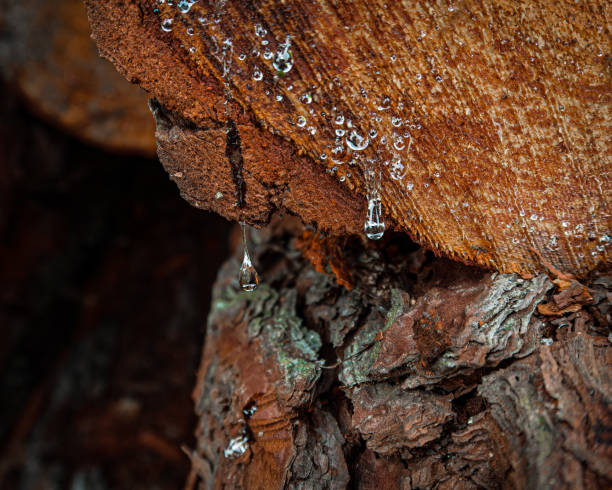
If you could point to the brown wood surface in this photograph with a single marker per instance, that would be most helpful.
(47, 53)
(505, 111)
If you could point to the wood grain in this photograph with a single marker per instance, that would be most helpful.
(497, 116)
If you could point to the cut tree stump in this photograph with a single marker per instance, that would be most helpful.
(484, 129)
(486, 126)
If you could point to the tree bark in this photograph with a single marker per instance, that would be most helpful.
(449, 376)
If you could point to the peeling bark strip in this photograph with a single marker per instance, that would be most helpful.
(489, 122)
(463, 383)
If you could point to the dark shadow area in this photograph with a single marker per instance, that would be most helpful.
(105, 278)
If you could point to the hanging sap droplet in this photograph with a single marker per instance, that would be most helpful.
(247, 277)
(236, 447)
(374, 226)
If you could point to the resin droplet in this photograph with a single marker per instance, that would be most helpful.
(166, 25)
(185, 5)
(236, 447)
(374, 226)
(357, 142)
(284, 60)
(247, 277)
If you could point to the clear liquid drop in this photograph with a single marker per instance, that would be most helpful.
(374, 226)
(248, 277)
(236, 447)
(184, 6)
(166, 25)
(260, 31)
(284, 60)
(357, 142)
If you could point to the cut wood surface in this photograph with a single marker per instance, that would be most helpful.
(46, 51)
(486, 125)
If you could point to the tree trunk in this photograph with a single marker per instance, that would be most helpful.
(46, 52)
(483, 132)
(450, 376)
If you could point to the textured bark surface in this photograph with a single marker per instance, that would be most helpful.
(492, 121)
(46, 51)
(451, 377)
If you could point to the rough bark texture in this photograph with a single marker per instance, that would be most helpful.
(492, 120)
(47, 53)
(451, 376)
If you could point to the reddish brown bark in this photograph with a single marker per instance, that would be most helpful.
(451, 377)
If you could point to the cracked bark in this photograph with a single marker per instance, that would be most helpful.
(451, 378)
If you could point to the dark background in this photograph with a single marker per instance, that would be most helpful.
(105, 278)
